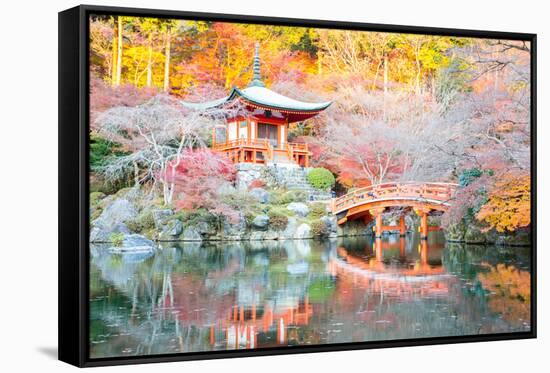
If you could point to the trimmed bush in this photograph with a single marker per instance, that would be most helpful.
(278, 218)
(278, 223)
(319, 228)
(317, 209)
(321, 178)
(143, 222)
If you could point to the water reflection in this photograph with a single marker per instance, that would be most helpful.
(194, 297)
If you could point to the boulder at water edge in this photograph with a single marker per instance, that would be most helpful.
(134, 243)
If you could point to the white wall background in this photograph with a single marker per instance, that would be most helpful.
(28, 187)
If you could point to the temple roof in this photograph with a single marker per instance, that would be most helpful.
(260, 96)
(257, 94)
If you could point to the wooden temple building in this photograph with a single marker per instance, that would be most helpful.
(259, 133)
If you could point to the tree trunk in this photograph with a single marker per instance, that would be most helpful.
(149, 82)
(114, 54)
(386, 68)
(136, 174)
(119, 53)
(167, 61)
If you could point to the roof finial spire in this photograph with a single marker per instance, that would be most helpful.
(257, 80)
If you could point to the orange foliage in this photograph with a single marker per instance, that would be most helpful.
(512, 292)
(509, 205)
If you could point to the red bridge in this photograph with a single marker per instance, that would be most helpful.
(371, 202)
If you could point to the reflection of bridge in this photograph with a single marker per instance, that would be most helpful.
(403, 281)
(371, 202)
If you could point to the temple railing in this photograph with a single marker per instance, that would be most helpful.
(298, 147)
(236, 148)
(243, 143)
(435, 192)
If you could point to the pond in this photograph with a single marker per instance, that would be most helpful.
(190, 297)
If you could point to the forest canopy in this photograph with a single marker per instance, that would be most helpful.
(405, 107)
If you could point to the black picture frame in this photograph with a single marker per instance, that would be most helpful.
(74, 184)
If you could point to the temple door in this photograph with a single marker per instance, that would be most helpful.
(269, 132)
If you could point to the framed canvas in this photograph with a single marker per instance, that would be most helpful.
(233, 186)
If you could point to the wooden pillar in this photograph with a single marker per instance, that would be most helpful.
(377, 213)
(402, 226)
(424, 226)
(423, 213)
(212, 336)
(306, 160)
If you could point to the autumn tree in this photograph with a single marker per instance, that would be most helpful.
(509, 204)
(197, 179)
(156, 135)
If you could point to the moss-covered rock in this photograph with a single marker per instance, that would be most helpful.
(96, 197)
(171, 230)
(520, 237)
(117, 239)
(353, 228)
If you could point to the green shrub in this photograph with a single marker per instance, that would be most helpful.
(469, 175)
(317, 209)
(144, 221)
(102, 150)
(319, 228)
(192, 217)
(117, 239)
(321, 178)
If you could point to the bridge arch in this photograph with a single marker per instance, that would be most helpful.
(369, 203)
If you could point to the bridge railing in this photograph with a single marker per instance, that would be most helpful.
(441, 192)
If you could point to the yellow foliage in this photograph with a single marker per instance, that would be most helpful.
(511, 290)
(509, 205)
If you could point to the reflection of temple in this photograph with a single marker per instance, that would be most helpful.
(243, 326)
